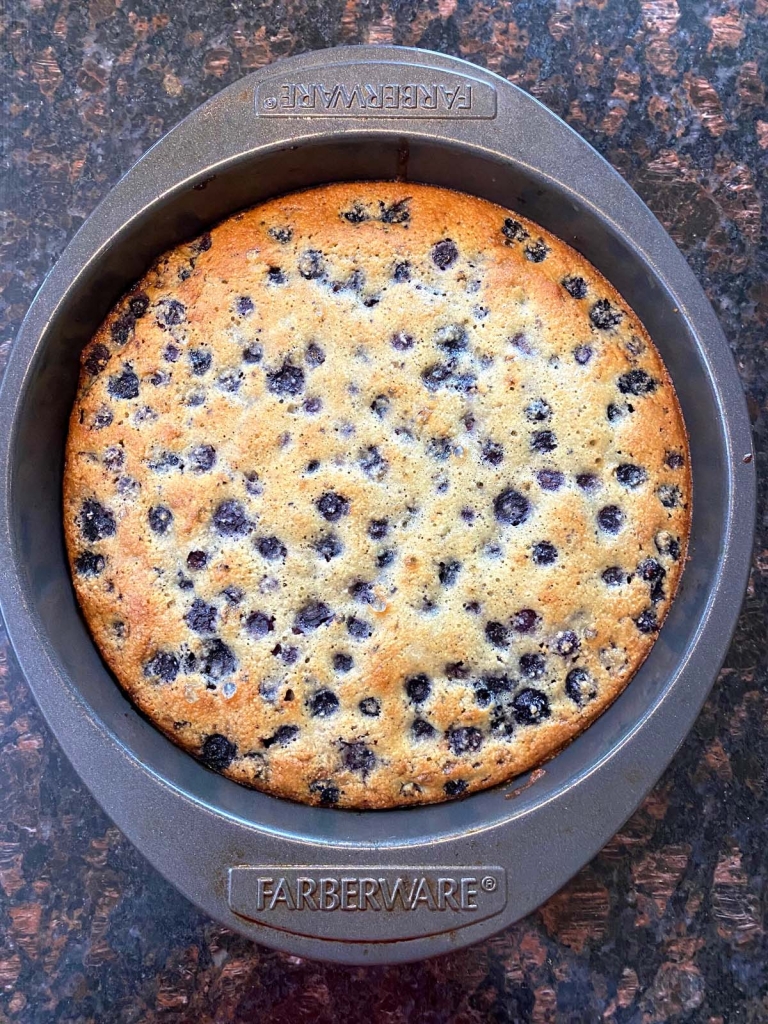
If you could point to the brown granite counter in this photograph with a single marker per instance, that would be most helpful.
(668, 923)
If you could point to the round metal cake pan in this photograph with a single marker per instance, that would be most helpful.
(375, 886)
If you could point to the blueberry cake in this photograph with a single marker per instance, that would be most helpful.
(375, 495)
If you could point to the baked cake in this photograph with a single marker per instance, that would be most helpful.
(375, 495)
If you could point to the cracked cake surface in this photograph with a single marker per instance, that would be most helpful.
(376, 494)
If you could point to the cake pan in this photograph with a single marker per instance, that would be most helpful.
(374, 886)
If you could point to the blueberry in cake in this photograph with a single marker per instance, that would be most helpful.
(375, 495)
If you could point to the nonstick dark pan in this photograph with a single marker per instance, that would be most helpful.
(368, 887)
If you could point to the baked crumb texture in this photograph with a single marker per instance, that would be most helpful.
(375, 495)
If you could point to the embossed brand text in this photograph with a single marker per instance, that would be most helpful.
(367, 97)
(361, 892)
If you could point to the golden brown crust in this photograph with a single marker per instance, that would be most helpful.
(422, 348)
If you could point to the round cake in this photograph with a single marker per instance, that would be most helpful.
(375, 495)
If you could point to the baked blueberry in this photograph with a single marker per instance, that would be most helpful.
(362, 591)
(230, 519)
(96, 359)
(218, 752)
(514, 231)
(271, 548)
(497, 634)
(197, 560)
(610, 518)
(575, 286)
(373, 463)
(89, 563)
(675, 460)
(378, 529)
(647, 622)
(370, 706)
(491, 689)
(332, 506)
(326, 792)
(356, 214)
(448, 572)
(201, 616)
(613, 412)
(422, 730)
(286, 380)
(614, 576)
(544, 553)
(530, 706)
(588, 482)
(439, 448)
(582, 354)
(669, 495)
(464, 740)
(323, 704)
(631, 476)
(452, 338)
(253, 353)
(276, 275)
(314, 355)
(666, 544)
(444, 254)
(124, 385)
(455, 787)
(258, 624)
(395, 213)
(328, 545)
(164, 665)
(359, 628)
(604, 316)
(418, 688)
(171, 313)
(311, 265)
(357, 757)
(401, 341)
(385, 558)
(281, 234)
(200, 360)
(543, 441)
(244, 305)
(566, 643)
(402, 272)
(218, 659)
(538, 411)
(492, 453)
(532, 666)
(122, 329)
(282, 736)
(580, 686)
(202, 458)
(524, 621)
(160, 518)
(312, 616)
(342, 662)
(550, 479)
(138, 304)
(637, 382)
(511, 507)
(436, 376)
(537, 251)
(96, 521)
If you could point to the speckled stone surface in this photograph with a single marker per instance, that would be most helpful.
(669, 922)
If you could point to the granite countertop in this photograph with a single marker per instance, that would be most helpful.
(668, 923)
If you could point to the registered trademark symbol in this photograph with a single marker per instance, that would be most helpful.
(270, 102)
(488, 883)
